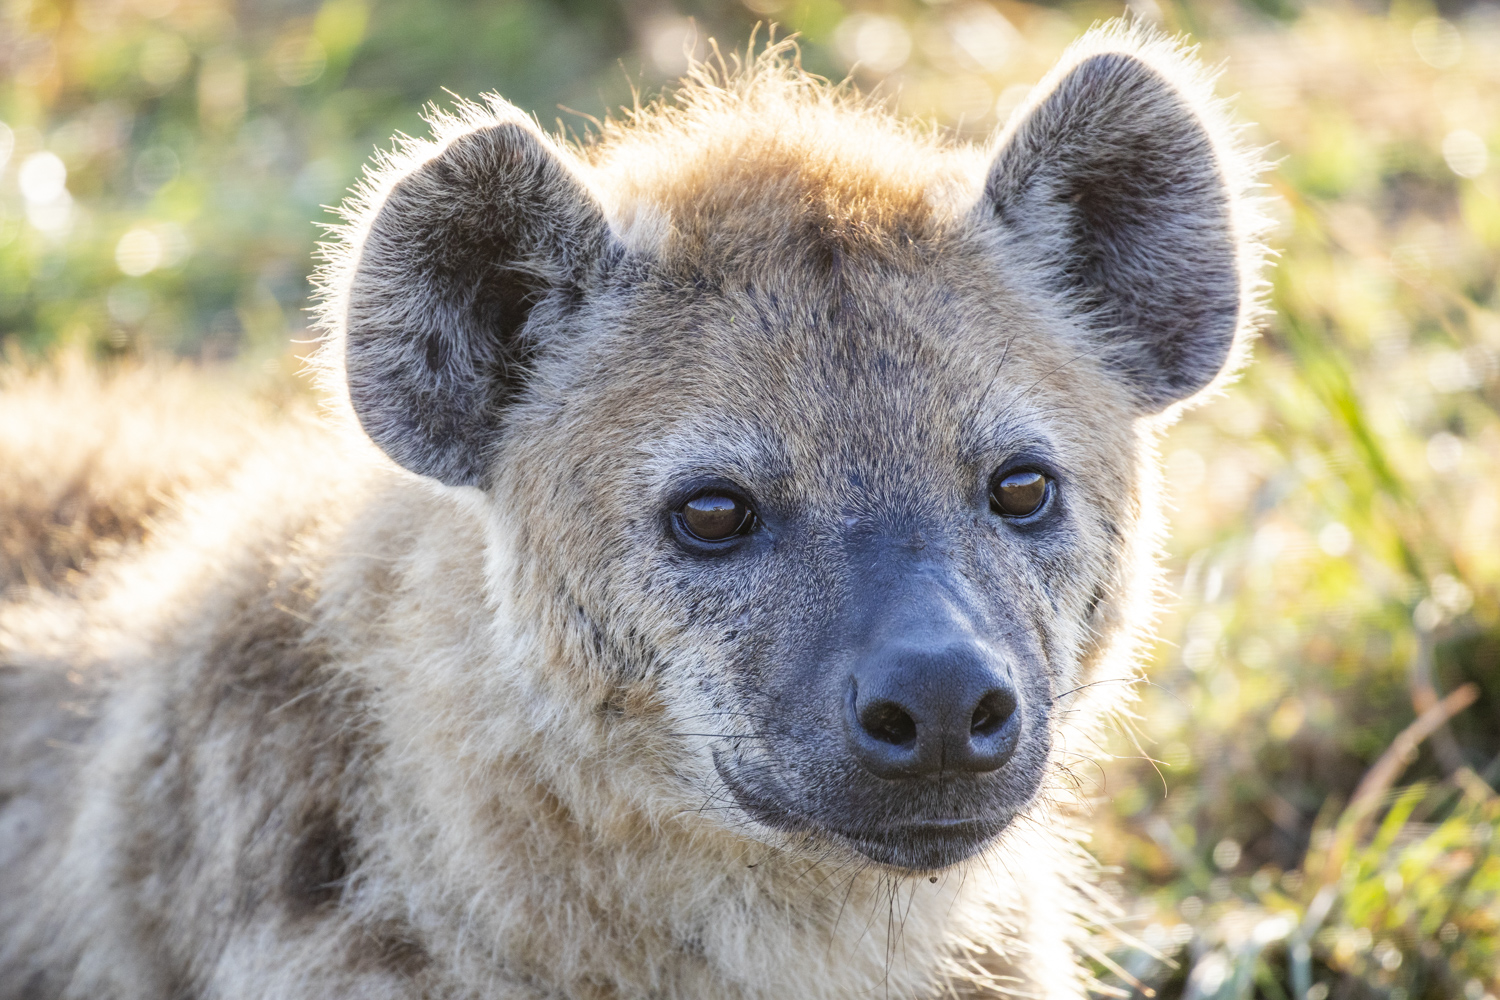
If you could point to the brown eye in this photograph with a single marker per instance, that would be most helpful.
(1018, 494)
(714, 517)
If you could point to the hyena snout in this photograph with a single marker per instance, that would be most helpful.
(927, 705)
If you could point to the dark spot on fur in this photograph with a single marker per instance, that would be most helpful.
(40, 986)
(318, 866)
(403, 956)
(391, 947)
(179, 988)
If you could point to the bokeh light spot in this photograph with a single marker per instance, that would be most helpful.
(138, 252)
(875, 42)
(671, 43)
(299, 60)
(1466, 153)
(1438, 42)
(1444, 452)
(43, 178)
(1287, 720)
(1335, 539)
(983, 37)
(164, 59)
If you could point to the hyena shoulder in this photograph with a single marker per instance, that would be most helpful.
(185, 752)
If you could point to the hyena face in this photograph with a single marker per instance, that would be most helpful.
(875, 548)
(856, 539)
(820, 432)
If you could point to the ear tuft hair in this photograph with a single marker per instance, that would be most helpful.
(1124, 191)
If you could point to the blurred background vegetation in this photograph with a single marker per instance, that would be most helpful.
(1306, 808)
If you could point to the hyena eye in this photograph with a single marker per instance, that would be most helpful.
(716, 517)
(1019, 494)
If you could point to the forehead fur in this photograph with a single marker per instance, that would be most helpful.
(766, 158)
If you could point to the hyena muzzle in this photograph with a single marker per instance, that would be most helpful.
(776, 494)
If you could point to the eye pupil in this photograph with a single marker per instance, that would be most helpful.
(1018, 494)
(714, 517)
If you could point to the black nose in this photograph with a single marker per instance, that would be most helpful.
(915, 710)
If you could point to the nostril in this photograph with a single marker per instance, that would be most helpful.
(888, 723)
(992, 712)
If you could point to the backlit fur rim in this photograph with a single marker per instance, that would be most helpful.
(766, 85)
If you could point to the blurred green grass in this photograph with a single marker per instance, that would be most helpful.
(1335, 554)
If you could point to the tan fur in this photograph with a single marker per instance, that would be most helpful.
(89, 469)
(339, 730)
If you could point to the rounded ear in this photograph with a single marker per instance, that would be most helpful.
(1122, 190)
(467, 252)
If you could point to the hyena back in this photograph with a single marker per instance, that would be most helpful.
(767, 496)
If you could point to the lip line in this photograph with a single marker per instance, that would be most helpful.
(940, 824)
(783, 818)
(940, 828)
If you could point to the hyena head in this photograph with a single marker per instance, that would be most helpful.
(831, 436)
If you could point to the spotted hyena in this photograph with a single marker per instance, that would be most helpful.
(748, 506)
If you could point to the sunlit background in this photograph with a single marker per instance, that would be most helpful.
(1282, 824)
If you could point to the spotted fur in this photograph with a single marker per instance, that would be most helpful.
(455, 715)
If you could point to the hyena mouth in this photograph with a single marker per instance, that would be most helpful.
(926, 847)
(918, 844)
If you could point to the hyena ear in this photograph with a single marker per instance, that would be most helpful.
(472, 250)
(1118, 188)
